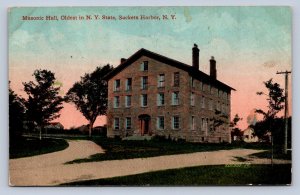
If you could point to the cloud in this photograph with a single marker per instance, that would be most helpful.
(21, 38)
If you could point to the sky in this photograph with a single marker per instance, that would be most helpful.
(249, 44)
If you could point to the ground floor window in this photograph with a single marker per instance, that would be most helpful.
(160, 122)
(175, 122)
(193, 123)
(116, 123)
(128, 123)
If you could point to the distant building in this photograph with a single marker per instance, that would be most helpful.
(55, 125)
(249, 136)
(150, 94)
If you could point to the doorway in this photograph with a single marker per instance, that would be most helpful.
(144, 124)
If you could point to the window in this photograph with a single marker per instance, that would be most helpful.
(160, 122)
(175, 98)
(192, 99)
(128, 123)
(116, 102)
(210, 104)
(209, 88)
(224, 95)
(219, 93)
(175, 122)
(212, 90)
(201, 86)
(176, 79)
(193, 123)
(117, 85)
(144, 82)
(127, 100)
(144, 66)
(218, 106)
(161, 80)
(192, 82)
(128, 86)
(203, 124)
(116, 123)
(160, 99)
(203, 102)
(144, 100)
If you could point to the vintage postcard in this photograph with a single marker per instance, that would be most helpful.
(150, 96)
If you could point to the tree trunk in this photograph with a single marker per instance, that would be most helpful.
(90, 128)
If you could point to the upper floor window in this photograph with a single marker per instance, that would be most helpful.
(203, 102)
(144, 82)
(144, 101)
(160, 122)
(175, 122)
(224, 95)
(116, 102)
(127, 100)
(161, 80)
(192, 82)
(192, 99)
(128, 123)
(117, 85)
(175, 98)
(219, 93)
(128, 86)
(211, 90)
(144, 66)
(160, 99)
(218, 106)
(210, 106)
(201, 86)
(176, 79)
(116, 123)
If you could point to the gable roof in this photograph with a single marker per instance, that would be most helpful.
(197, 74)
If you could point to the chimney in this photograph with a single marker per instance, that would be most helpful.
(123, 60)
(213, 69)
(196, 57)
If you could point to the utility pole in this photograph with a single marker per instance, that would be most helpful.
(286, 111)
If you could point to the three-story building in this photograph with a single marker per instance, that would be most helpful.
(150, 94)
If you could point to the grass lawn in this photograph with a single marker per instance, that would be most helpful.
(276, 155)
(202, 175)
(25, 147)
(117, 149)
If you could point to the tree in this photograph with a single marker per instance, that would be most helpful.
(275, 100)
(235, 131)
(218, 119)
(90, 95)
(16, 115)
(43, 103)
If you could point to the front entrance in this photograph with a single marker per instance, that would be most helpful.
(144, 124)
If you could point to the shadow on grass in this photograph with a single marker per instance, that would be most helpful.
(276, 155)
(25, 147)
(201, 175)
(117, 149)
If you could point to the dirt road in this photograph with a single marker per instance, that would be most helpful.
(49, 169)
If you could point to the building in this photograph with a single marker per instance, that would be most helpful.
(150, 94)
(249, 135)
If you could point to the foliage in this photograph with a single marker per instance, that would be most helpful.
(90, 94)
(218, 120)
(43, 103)
(275, 98)
(235, 131)
(16, 115)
